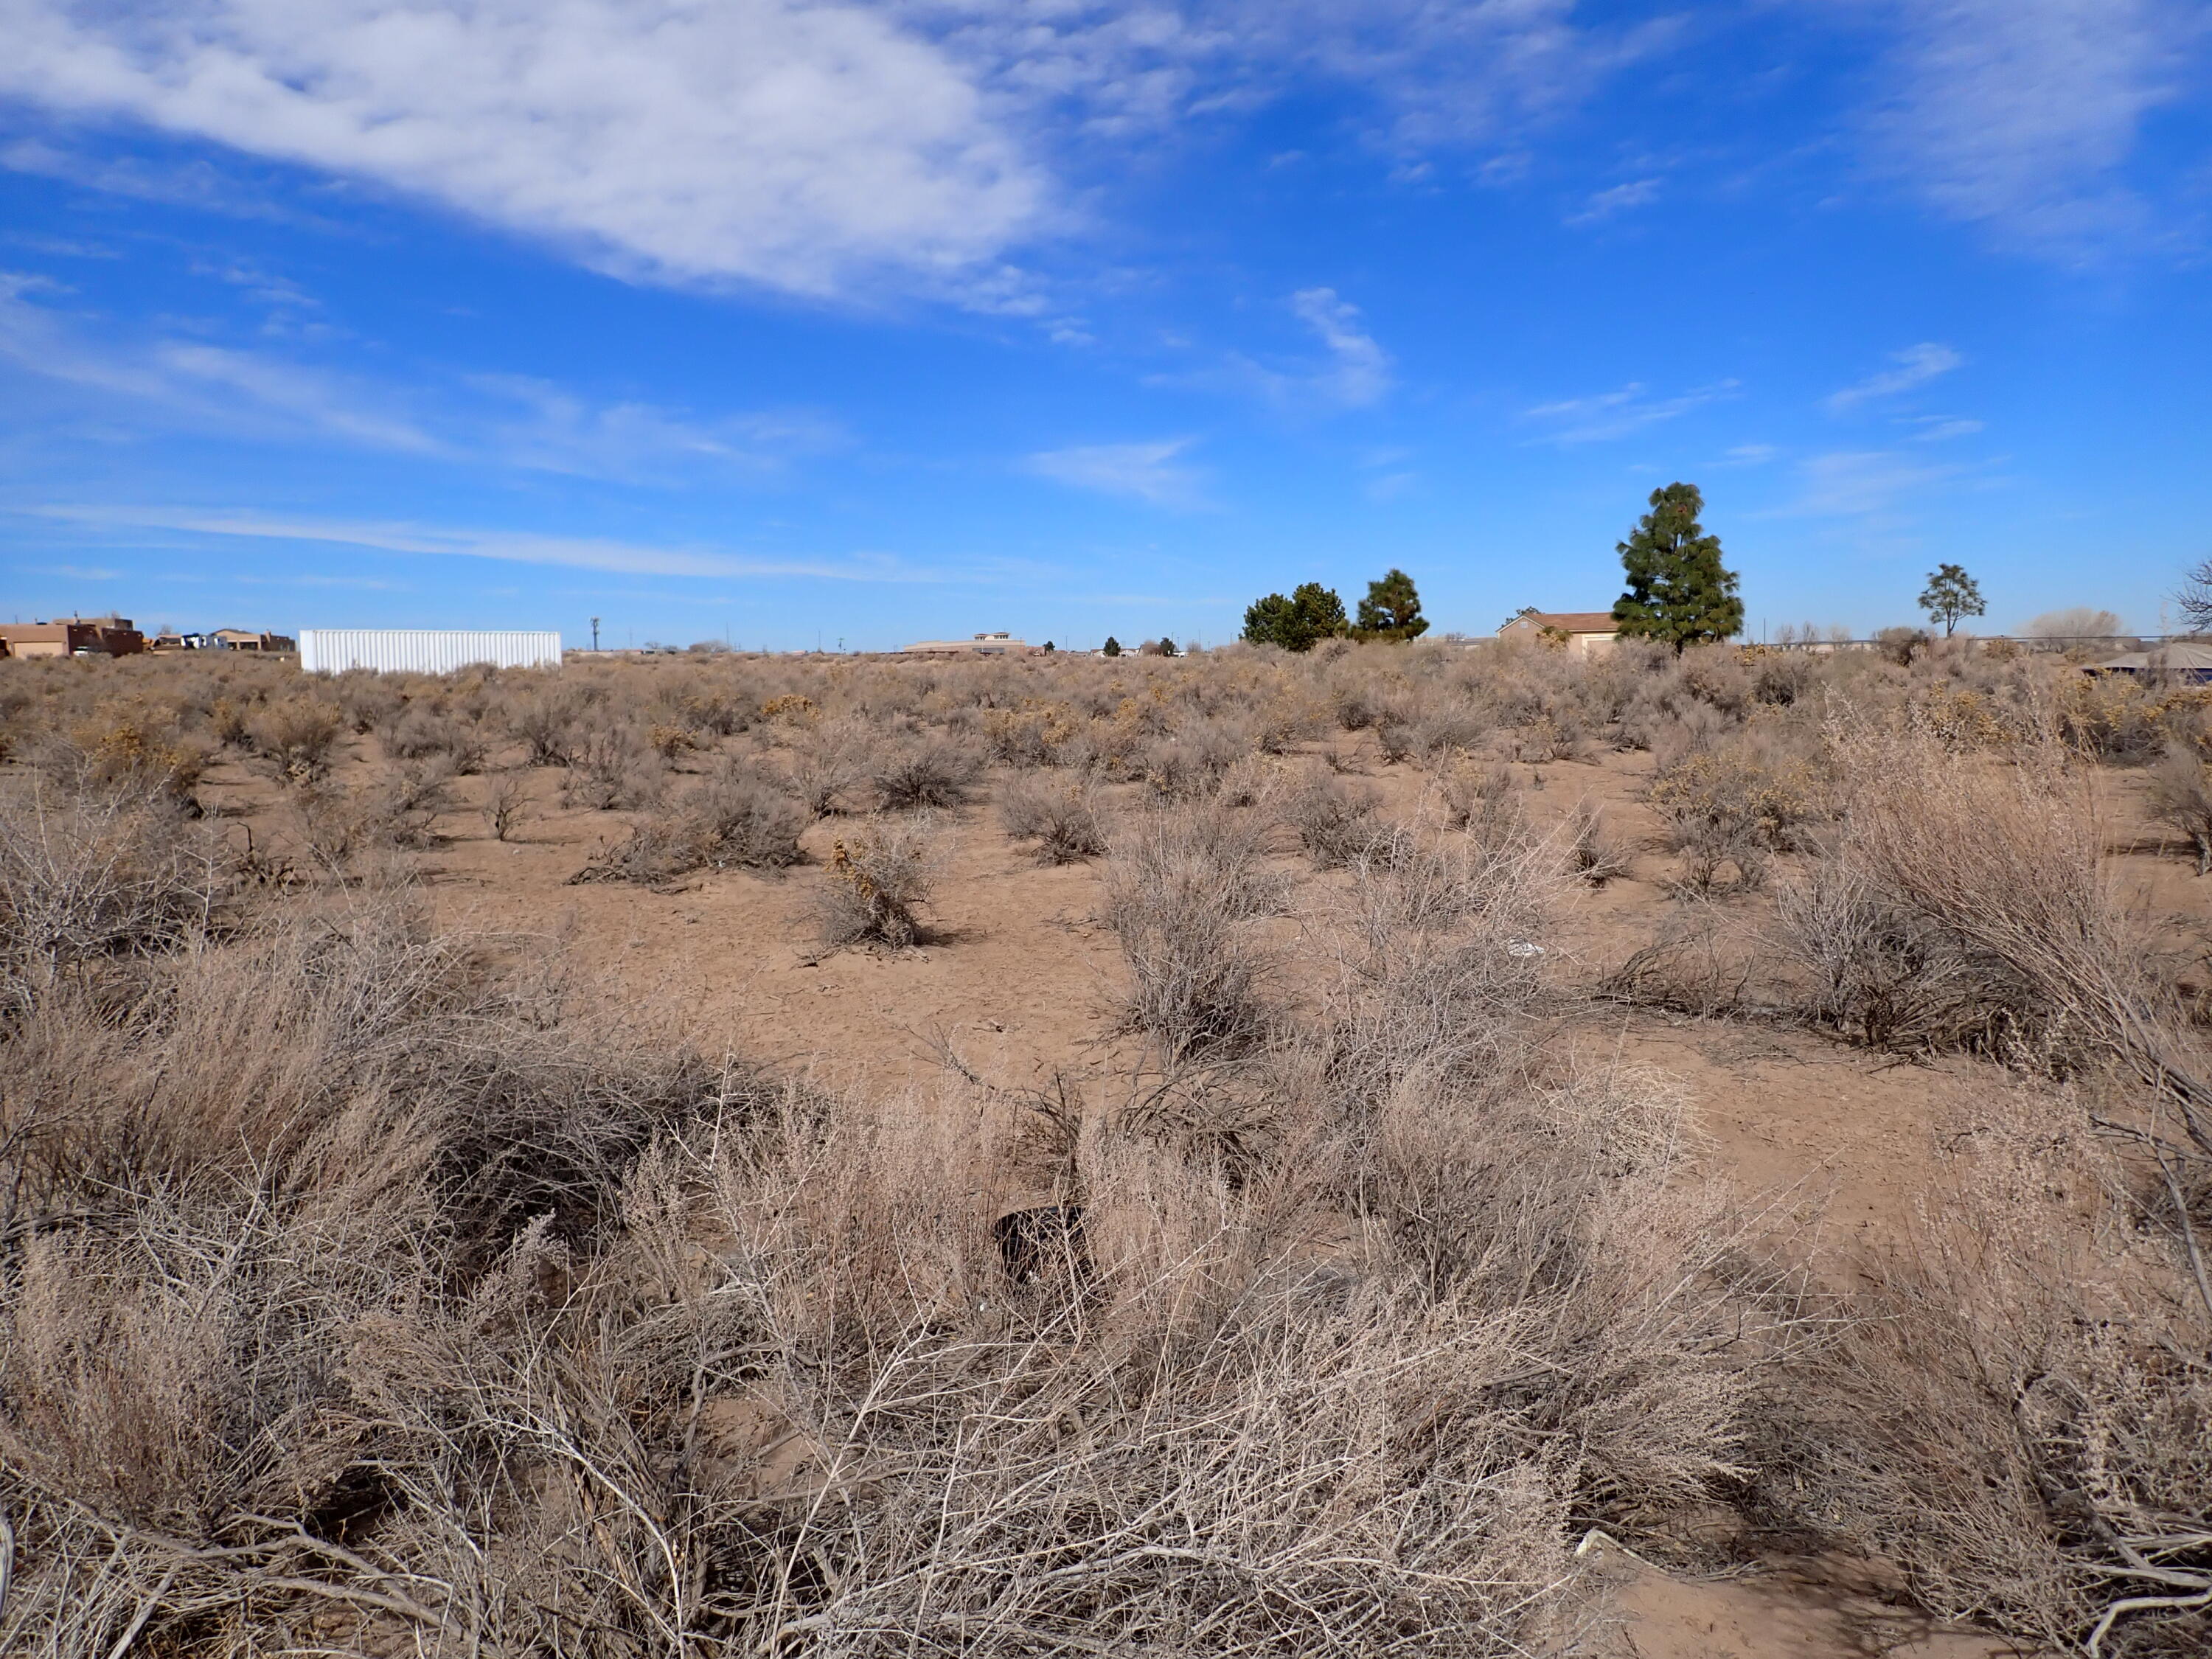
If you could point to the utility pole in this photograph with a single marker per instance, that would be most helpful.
(595, 633)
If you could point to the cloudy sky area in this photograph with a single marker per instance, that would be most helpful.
(765, 318)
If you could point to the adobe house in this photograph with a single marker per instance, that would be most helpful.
(1583, 632)
(72, 636)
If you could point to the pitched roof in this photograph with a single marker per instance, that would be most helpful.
(1571, 621)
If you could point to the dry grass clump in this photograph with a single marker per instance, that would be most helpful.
(1336, 822)
(1182, 886)
(732, 819)
(876, 883)
(1065, 820)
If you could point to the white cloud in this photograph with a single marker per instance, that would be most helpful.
(774, 141)
(1752, 455)
(1145, 471)
(1916, 366)
(572, 552)
(1360, 373)
(2020, 115)
(1636, 193)
(1607, 414)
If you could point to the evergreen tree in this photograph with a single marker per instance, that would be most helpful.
(1112, 649)
(1392, 609)
(1950, 594)
(1168, 646)
(1312, 612)
(1679, 592)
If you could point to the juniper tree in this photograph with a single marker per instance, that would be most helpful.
(1679, 592)
(1311, 613)
(1392, 609)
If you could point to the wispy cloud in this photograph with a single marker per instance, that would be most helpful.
(1938, 428)
(1751, 454)
(1864, 484)
(519, 547)
(74, 572)
(1354, 372)
(2021, 115)
(1607, 414)
(509, 420)
(1636, 193)
(1359, 372)
(1915, 366)
(1143, 471)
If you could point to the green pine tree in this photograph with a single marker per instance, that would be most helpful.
(1679, 592)
(1392, 609)
(1311, 613)
(1112, 647)
(1950, 594)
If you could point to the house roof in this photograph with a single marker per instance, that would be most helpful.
(1569, 621)
(2177, 659)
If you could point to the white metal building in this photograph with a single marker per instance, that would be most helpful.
(424, 650)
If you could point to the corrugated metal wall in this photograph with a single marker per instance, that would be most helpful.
(424, 650)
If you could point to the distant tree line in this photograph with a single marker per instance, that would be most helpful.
(1312, 613)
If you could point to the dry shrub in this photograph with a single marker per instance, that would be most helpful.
(1733, 808)
(135, 746)
(828, 759)
(1182, 887)
(730, 819)
(612, 768)
(1593, 854)
(505, 803)
(878, 881)
(1965, 904)
(1034, 734)
(2180, 797)
(1064, 821)
(2016, 1411)
(421, 733)
(296, 736)
(546, 719)
(97, 878)
(1336, 821)
(924, 772)
(1479, 798)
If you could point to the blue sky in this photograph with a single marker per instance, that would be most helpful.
(775, 320)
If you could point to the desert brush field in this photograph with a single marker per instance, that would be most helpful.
(1394, 1150)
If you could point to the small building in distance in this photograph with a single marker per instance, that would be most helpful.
(72, 636)
(2179, 662)
(1583, 632)
(983, 645)
(245, 639)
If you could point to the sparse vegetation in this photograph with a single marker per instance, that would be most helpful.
(368, 1285)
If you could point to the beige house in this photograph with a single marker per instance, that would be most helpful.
(1582, 632)
(983, 645)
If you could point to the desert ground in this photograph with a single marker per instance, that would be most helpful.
(1454, 1149)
